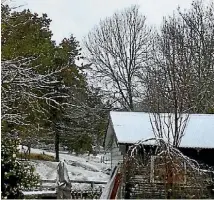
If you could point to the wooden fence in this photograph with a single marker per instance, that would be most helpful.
(47, 189)
(50, 184)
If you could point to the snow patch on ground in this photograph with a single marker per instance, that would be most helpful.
(82, 167)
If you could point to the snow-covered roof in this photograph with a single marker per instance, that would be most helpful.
(130, 127)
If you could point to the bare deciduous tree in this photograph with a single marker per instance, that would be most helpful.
(168, 82)
(199, 28)
(184, 51)
(117, 49)
(180, 72)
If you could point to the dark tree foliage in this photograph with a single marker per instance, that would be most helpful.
(64, 107)
(15, 175)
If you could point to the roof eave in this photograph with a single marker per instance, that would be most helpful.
(185, 147)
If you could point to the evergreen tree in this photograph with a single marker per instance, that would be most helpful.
(66, 106)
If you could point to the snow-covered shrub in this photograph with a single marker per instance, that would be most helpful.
(16, 175)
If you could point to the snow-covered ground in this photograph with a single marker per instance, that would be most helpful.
(83, 167)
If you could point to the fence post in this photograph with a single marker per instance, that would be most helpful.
(40, 184)
(92, 185)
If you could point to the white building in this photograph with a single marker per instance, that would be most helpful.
(127, 128)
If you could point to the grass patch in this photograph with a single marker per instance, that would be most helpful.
(36, 156)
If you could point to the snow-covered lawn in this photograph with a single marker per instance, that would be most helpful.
(82, 167)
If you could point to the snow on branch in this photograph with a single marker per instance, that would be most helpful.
(162, 147)
(22, 84)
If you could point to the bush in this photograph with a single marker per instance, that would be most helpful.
(15, 175)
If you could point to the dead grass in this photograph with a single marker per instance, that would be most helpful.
(37, 156)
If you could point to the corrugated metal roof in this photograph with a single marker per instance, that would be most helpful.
(131, 127)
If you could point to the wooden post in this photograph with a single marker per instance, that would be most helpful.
(92, 185)
(40, 184)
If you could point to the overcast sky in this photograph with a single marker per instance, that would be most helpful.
(80, 16)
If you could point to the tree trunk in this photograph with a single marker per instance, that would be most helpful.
(57, 146)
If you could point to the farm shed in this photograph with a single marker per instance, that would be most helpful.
(126, 128)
